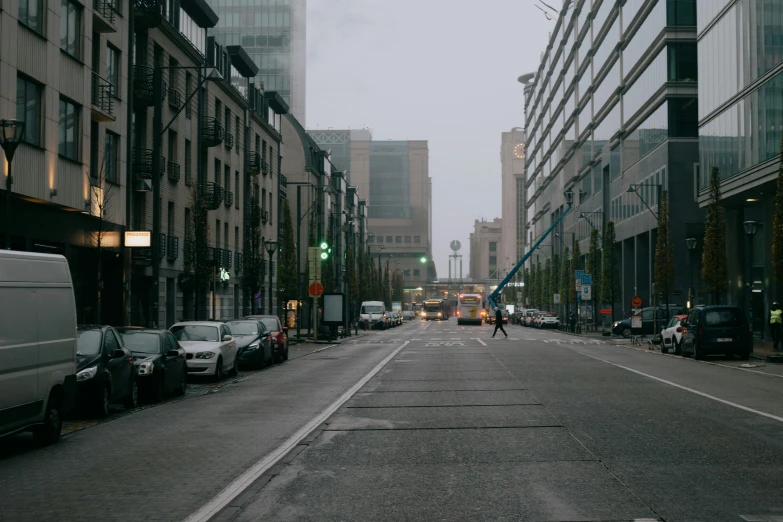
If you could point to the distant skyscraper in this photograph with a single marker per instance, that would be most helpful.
(512, 161)
(274, 34)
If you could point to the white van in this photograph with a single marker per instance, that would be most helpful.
(37, 343)
(373, 314)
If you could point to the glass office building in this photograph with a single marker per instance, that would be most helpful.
(740, 50)
(273, 33)
(612, 115)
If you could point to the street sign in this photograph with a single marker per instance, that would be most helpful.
(578, 274)
(636, 322)
(316, 289)
(314, 264)
(587, 279)
(138, 238)
(587, 292)
(605, 311)
(557, 298)
(636, 302)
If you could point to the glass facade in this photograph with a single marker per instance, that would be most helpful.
(647, 136)
(638, 95)
(643, 38)
(389, 180)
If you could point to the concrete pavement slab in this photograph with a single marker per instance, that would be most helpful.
(441, 417)
(382, 385)
(442, 398)
(394, 374)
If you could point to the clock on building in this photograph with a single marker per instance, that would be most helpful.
(519, 151)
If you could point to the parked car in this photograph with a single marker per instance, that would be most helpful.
(105, 373)
(648, 320)
(530, 315)
(548, 320)
(671, 335)
(254, 342)
(716, 330)
(37, 344)
(279, 334)
(373, 314)
(398, 318)
(209, 346)
(159, 362)
(408, 315)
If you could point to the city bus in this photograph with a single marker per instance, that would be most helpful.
(435, 309)
(469, 310)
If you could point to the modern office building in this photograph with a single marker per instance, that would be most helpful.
(486, 249)
(611, 115)
(512, 165)
(394, 176)
(740, 50)
(274, 35)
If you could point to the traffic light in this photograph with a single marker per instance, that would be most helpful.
(326, 250)
(423, 259)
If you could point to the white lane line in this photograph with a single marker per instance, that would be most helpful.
(479, 340)
(697, 392)
(241, 483)
(427, 325)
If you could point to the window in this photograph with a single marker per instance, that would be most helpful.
(236, 189)
(493, 246)
(28, 109)
(31, 14)
(380, 239)
(416, 239)
(111, 157)
(681, 12)
(110, 342)
(69, 130)
(407, 239)
(217, 172)
(398, 239)
(70, 26)
(406, 272)
(236, 136)
(389, 239)
(187, 224)
(188, 172)
(493, 260)
(188, 89)
(416, 272)
(227, 178)
(217, 233)
(113, 70)
(270, 207)
(170, 219)
(225, 236)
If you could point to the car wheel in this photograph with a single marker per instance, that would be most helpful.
(677, 347)
(664, 349)
(744, 355)
(132, 400)
(49, 431)
(285, 353)
(698, 353)
(235, 368)
(626, 332)
(183, 383)
(102, 404)
(219, 369)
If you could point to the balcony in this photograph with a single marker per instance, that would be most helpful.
(211, 132)
(212, 195)
(141, 167)
(174, 171)
(283, 183)
(264, 167)
(228, 140)
(228, 198)
(103, 17)
(102, 99)
(264, 216)
(147, 13)
(143, 86)
(175, 98)
(238, 261)
(217, 256)
(227, 258)
(253, 163)
(172, 248)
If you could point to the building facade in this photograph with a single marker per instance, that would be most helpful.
(486, 249)
(611, 115)
(274, 35)
(512, 164)
(740, 55)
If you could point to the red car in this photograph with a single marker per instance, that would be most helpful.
(278, 332)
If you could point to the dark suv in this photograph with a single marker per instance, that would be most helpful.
(648, 321)
(716, 330)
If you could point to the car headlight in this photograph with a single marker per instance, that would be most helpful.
(87, 374)
(438, 314)
(205, 355)
(146, 368)
(616, 325)
(253, 346)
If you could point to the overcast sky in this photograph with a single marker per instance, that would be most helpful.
(431, 70)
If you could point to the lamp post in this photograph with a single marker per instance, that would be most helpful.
(634, 189)
(691, 244)
(271, 246)
(750, 230)
(11, 132)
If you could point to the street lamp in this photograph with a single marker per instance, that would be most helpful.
(271, 246)
(11, 132)
(750, 230)
(634, 189)
(691, 244)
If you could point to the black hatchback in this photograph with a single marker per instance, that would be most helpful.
(254, 342)
(159, 362)
(716, 330)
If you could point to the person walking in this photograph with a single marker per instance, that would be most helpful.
(499, 322)
(775, 321)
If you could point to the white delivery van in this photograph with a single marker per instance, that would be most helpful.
(37, 343)
(373, 314)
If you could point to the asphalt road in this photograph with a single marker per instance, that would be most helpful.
(430, 421)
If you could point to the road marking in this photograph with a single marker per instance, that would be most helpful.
(479, 340)
(246, 479)
(697, 392)
(427, 325)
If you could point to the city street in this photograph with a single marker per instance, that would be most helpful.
(429, 421)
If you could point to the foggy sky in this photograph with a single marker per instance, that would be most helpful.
(436, 70)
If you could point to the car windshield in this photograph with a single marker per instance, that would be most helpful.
(270, 323)
(141, 342)
(726, 317)
(195, 332)
(88, 342)
(372, 309)
(243, 327)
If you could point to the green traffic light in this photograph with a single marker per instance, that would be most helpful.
(423, 259)
(324, 245)
(324, 255)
